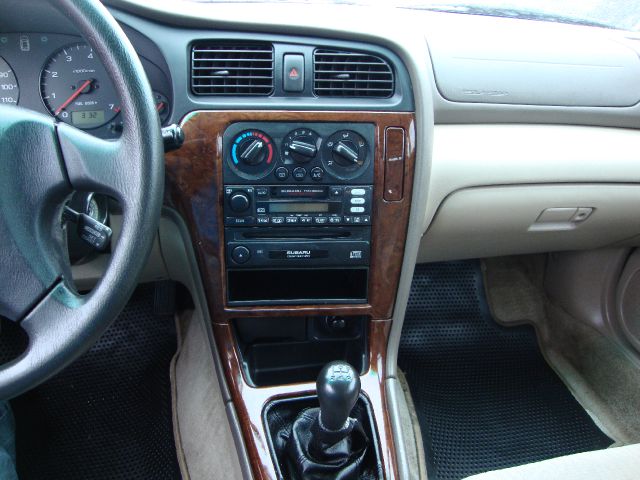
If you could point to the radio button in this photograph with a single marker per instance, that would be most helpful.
(320, 220)
(357, 192)
(277, 220)
(240, 254)
(335, 191)
(348, 219)
(306, 219)
(262, 219)
(357, 210)
(357, 201)
(299, 173)
(357, 220)
(262, 192)
(317, 173)
(366, 219)
(282, 173)
(335, 219)
(238, 221)
(291, 220)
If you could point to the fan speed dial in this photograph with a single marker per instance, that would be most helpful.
(300, 146)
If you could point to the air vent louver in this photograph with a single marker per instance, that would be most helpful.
(351, 74)
(224, 68)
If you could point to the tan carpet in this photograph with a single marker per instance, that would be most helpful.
(200, 419)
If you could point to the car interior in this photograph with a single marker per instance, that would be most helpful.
(318, 240)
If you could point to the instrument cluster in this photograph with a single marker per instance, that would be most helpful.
(60, 75)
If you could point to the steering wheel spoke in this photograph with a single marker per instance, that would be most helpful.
(96, 165)
(33, 188)
(52, 327)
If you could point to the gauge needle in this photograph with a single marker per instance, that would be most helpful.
(160, 106)
(73, 96)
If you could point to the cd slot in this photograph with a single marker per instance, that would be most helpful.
(297, 234)
(278, 234)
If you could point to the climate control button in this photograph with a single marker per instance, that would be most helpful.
(317, 173)
(299, 173)
(282, 173)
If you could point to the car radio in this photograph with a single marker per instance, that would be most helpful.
(297, 205)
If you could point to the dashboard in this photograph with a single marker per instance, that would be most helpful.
(330, 148)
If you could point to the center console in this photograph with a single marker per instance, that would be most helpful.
(297, 212)
(298, 222)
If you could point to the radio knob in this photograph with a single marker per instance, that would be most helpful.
(239, 202)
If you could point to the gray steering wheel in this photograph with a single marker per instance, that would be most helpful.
(41, 163)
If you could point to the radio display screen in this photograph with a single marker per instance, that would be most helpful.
(299, 207)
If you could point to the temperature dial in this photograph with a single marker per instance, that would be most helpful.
(300, 146)
(345, 153)
(251, 154)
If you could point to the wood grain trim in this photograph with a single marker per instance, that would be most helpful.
(194, 189)
(250, 401)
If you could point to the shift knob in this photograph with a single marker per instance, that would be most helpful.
(338, 389)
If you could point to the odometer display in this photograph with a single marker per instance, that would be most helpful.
(76, 88)
(90, 117)
(9, 91)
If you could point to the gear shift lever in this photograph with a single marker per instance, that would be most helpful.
(338, 388)
(325, 442)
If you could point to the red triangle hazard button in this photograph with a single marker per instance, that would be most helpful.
(293, 73)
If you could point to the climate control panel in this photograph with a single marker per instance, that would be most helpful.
(298, 153)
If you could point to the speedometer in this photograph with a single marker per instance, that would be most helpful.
(9, 91)
(76, 88)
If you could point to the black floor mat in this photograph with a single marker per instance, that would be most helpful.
(108, 415)
(485, 397)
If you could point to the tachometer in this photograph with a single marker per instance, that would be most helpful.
(9, 91)
(76, 88)
(162, 106)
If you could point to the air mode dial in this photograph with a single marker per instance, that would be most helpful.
(345, 153)
(252, 154)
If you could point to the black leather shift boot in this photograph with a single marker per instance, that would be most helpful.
(282, 417)
(318, 454)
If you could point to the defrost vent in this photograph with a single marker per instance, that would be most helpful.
(232, 68)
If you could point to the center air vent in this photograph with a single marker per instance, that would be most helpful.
(351, 74)
(225, 68)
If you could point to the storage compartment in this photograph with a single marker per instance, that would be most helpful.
(297, 286)
(277, 351)
(520, 219)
